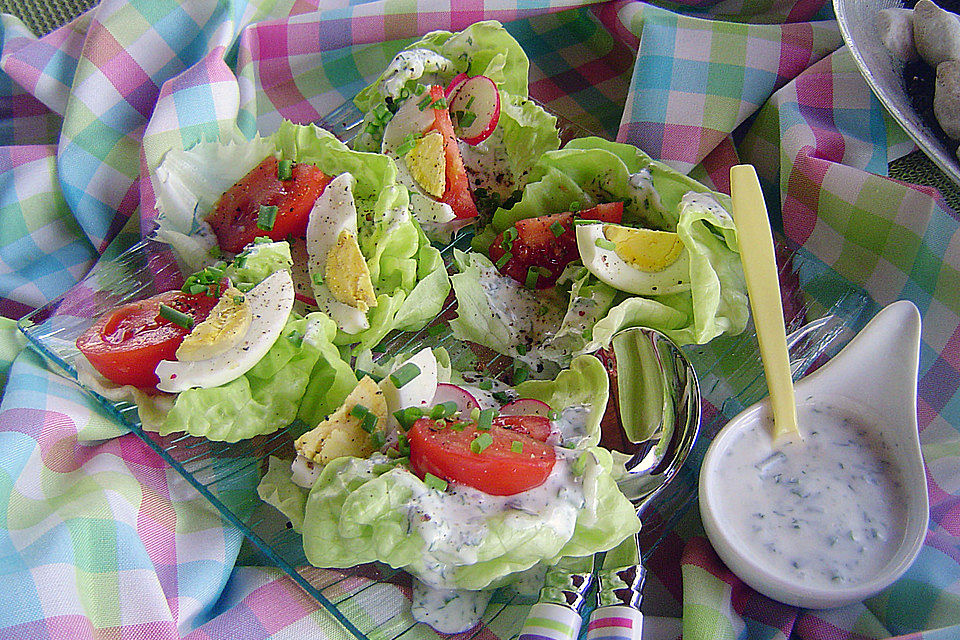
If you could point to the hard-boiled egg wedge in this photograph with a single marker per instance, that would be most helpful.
(412, 383)
(639, 261)
(420, 167)
(338, 272)
(228, 321)
(347, 431)
(269, 305)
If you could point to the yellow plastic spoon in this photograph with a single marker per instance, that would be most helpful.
(763, 286)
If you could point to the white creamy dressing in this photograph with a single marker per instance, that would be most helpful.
(448, 610)
(422, 64)
(305, 471)
(528, 315)
(488, 165)
(828, 510)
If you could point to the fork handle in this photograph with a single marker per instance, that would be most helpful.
(548, 621)
(615, 622)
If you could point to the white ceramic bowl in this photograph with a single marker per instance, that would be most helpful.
(875, 376)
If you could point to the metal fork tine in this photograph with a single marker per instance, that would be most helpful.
(343, 122)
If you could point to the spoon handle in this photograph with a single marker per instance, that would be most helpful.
(760, 270)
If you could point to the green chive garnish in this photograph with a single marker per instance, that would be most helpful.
(285, 169)
(176, 317)
(409, 142)
(403, 444)
(267, 217)
(516, 446)
(317, 278)
(438, 411)
(434, 482)
(522, 349)
(486, 385)
(603, 243)
(406, 417)
(359, 411)
(361, 374)
(377, 439)
(504, 259)
(481, 442)
(485, 419)
(439, 103)
(197, 288)
(509, 236)
(575, 206)
(424, 103)
(579, 465)
(520, 374)
(238, 299)
(557, 229)
(501, 396)
(466, 118)
(369, 423)
(530, 282)
(475, 414)
(417, 90)
(404, 374)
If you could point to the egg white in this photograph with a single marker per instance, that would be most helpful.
(270, 304)
(334, 211)
(410, 119)
(610, 268)
(420, 390)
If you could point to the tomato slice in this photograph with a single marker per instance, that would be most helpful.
(126, 344)
(235, 216)
(457, 191)
(498, 469)
(546, 243)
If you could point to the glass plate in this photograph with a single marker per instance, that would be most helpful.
(824, 313)
(226, 474)
(884, 73)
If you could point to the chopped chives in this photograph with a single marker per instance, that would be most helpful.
(516, 446)
(417, 90)
(267, 217)
(522, 349)
(475, 414)
(501, 396)
(481, 442)
(557, 229)
(407, 145)
(369, 423)
(509, 235)
(575, 206)
(439, 103)
(470, 101)
(520, 374)
(466, 118)
(530, 282)
(457, 426)
(197, 288)
(504, 259)
(176, 317)
(404, 374)
(238, 299)
(582, 221)
(603, 243)
(424, 103)
(438, 411)
(406, 417)
(359, 411)
(403, 444)
(285, 169)
(317, 278)
(486, 385)
(377, 439)
(449, 408)
(579, 465)
(434, 482)
(485, 419)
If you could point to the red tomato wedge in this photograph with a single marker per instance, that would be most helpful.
(126, 344)
(502, 468)
(546, 244)
(457, 191)
(235, 217)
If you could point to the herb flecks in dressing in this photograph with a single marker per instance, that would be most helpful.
(826, 511)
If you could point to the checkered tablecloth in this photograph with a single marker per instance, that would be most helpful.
(99, 539)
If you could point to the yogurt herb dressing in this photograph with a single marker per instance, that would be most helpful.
(827, 511)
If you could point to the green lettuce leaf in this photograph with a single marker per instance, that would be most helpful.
(264, 399)
(363, 510)
(257, 261)
(588, 171)
(407, 272)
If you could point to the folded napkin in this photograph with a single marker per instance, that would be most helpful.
(100, 538)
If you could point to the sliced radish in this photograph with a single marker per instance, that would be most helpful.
(474, 107)
(458, 80)
(526, 407)
(452, 393)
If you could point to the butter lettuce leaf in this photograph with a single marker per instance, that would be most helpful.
(376, 509)
(398, 255)
(264, 399)
(586, 172)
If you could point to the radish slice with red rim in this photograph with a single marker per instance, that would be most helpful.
(526, 407)
(458, 80)
(474, 106)
(452, 393)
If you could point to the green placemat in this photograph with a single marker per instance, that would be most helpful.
(43, 16)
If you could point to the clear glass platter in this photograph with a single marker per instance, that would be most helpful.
(824, 311)
(884, 73)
